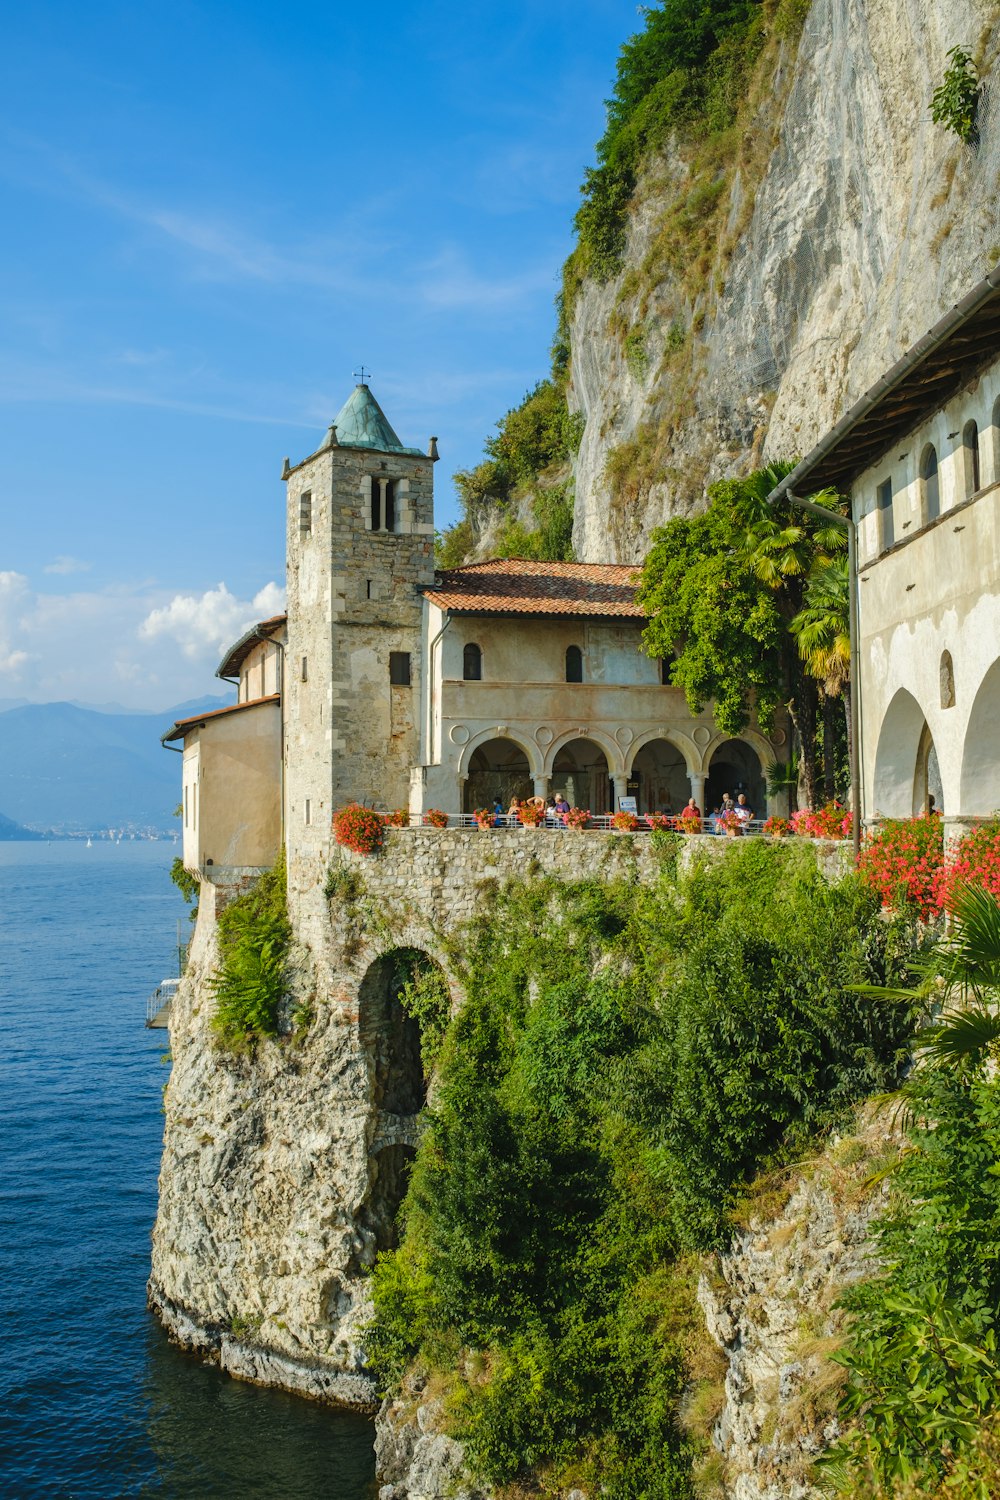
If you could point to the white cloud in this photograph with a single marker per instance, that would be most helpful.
(64, 564)
(14, 593)
(209, 622)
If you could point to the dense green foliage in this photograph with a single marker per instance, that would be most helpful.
(955, 102)
(922, 1351)
(728, 593)
(686, 71)
(186, 884)
(532, 439)
(624, 1060)
(249, 984)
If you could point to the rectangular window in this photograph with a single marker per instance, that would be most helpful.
(305, 669)
(888, 535)
(186, 790)
(399, 668)
(308, 811)
(305, 513)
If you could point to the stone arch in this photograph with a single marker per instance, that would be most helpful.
(390, 1045)
(903, 759)
(497, 765)
(582, 768)
(659, 773)
(737, 765)
(979, 794)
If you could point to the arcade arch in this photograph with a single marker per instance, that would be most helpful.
(906, 765)
(659, 776)
(581, 772)
(736, 767)
(980, 783)
(497, 767)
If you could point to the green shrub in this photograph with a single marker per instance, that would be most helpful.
(625, 1058)
(955, 102)
(186, 884)
(249, 984)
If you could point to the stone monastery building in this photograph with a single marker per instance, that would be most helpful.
(396, 684)
(400, 685)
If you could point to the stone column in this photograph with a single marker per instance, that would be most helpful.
(541, 784)
(697, 781)
(621, 789)
(381, 504)
(460, 784)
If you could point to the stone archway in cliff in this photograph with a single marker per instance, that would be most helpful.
(390, 1039)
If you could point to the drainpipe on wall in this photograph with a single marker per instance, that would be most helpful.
(846, 523)
(429, 676)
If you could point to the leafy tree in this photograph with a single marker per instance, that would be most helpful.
(714, 620)
(822, 629)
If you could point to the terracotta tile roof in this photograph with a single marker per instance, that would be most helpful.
(509, 586)
(237, 655)
(181, 727)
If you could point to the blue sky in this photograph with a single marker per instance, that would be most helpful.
(212, 214)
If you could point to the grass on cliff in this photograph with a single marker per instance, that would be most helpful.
(625, 1060)
(249, 984)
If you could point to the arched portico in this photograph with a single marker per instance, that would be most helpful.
(906, 773)
(659, 775)
(980, 783)
(582, 770)
(497, 766)
(735, 766)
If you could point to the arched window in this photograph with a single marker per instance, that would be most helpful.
(887, 533)
(472, 663)
(930, 486)
(574, 664)
(970, 445)
(383, 504)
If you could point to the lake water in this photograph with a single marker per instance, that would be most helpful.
(93, 1399)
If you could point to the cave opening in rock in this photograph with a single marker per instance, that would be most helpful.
(391, 1040)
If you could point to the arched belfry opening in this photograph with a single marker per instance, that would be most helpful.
(391, 1040)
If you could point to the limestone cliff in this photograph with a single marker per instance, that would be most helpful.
(850, 223)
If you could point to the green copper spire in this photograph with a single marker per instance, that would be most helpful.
(361, 423)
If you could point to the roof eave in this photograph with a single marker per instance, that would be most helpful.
(942, 330)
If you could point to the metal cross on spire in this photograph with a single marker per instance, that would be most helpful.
(361, 377)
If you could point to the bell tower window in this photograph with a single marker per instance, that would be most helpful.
(383, 507)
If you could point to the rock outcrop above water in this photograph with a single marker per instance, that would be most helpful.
(868, 222)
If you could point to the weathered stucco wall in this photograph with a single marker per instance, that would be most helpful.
(929, 609)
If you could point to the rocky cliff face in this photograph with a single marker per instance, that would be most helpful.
(868, 222)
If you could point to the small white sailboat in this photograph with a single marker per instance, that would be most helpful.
(90, 842)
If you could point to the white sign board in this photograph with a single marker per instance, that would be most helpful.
(628, 804)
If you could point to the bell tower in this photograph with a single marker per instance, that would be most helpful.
(360, 543)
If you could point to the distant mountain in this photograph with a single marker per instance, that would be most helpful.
(77, 769)
(9, 831)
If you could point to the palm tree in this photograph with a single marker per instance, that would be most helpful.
(822, 629)
(781, 546)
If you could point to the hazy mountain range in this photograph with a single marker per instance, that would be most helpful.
(70, 768)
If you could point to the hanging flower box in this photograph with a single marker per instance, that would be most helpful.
(625, 822)
(359, 828)
(577, 818)
(435, 818)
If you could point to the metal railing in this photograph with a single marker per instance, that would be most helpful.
(598, 823)
(159, 1002)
